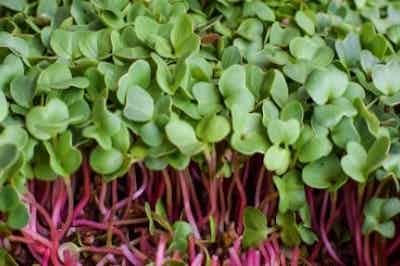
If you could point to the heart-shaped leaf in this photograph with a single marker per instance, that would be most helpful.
(285, 132)
(349, 50)
(65, 43)
(277, 159)
(8, 198)
(15, 44)
(304, 22)
(344, 132)
(324, 173)
(330, 114)
(386, 78)
(213, 128)
(45, 122)
(58, 76)
(291, 192)
(182, 230)
(276, 85)
(65, 159)
(139, 105)
(255, 227)
(358, 163)
(259, 9)
(282, 36)
(232, 86)
(18, 217)
(106, 161)
(183, 136)
(249, 135)
(326, 84)
(139, 74)
(183, 39)
(378, 214)
(315, 147)
(207, 97)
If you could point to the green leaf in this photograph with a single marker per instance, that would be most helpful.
(292, 110)
(277, 159)
(182, 230)
(344, 132)
(377, 153)
(151, 134)
(22, 89)
(276, 85)
(326, 84)
(249, 136)
(313, 149)
(183, 136)
(230, 56)
(18, 217)
(64, 43)
(106, 161)
(324, 173)
(213, 128)
(292, 196)
(255, 227)
(58, 76)
(163, 75)
(109, 123)
(8, 198)
(282, 36)
(369, 117)
(386, 78)
(349, 50)
(286, 132)
(378, 212)
(331, 114)
(17, 5)
(146, 28)
(269, 111)
(44, 122)
(358, 163)
(65, 159)
(199, 68)
(139, 74)
(250, 29)
(259, 9)
(11, 68)
(15, 44)
(354, 162)
(207, 97)
(3, 106)
(139, 105)
(304, 22)
(233, 88)
(6, 259)
(184, 41)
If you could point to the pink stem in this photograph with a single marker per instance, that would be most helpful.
(260, 180)
(130, 256)
(234, 258)
(86, 190)
(323, 233)
(191, 248)
(186, 203)
(107, 258)
(295, 256)
(102, 197)
(198, 260)
(168, 194)
(160, 251)
(99, 226)
(214, 261)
